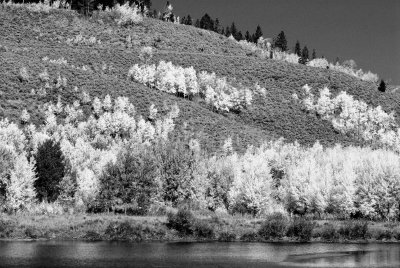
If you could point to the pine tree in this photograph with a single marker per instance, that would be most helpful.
(297, 49)
(382, 86)
(258, 34)
(233, 30)
(50, 170)
(189, 20)
(207, 23)
(280, 41)
(304, 55)
(227, 31)
(217, 26)
(248, 37)
(314, 54)
(197, 23)
(239, 36)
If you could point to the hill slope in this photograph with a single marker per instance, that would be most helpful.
(30, 37)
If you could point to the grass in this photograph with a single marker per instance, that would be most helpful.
(109, 227)
(37, 35)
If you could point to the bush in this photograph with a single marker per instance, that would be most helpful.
(354, 230)
(301, 228)
(227, 236)
(124, 231)
(249, 237)
(131, 184)
(50, 168)
(329, 233)
(275, 226)
(203, 230)
(384, 234)
(182, 221)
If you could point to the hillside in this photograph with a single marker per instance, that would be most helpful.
(26, 38)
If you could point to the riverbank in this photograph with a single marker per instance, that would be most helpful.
(110, 227)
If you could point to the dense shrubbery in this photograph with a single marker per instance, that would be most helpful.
(186, 82)
(301, 228)
(183, 221)
(275, 226)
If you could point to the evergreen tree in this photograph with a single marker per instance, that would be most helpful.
(280, 41)
(304, 55)
(197, 23)
(233, 30)
(382, 86)
(297, 49)
(50, 170)
(248, 37)
(217, 26)
(314, 54)
(227, 31)
(258, 34)
(207, 23)
(189, 20)
(239, 36)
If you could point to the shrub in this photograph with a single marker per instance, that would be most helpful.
(50, 168)
(384, 234)
(124, 231)
(130, 184)
(23, 75)
(203, 230)
(182, 221)
(354, 230)
(301, 228)
(275, 226)
(126, 15)
(329, 233)
(249, 236)
(227, 236)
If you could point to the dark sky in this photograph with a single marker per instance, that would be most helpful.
(367, 31)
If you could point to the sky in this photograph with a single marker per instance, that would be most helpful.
(367, 31)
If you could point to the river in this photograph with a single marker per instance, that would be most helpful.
(118, 254)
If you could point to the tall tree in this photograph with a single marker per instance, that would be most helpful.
(197, 23)
(382, 86)
(314, 54)
(233, 30)
(247, 36)
(304, 55)
(207, 23)
(217, 26)
(227, 31)
(258, 34)
(297, 49)
(280, 41)
(239, 36)
(189, 20)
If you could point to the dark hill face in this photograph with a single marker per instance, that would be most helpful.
(29, 37)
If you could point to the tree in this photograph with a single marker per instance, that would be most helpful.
(280, 41)
(304, 56)
(239, 36)
(85, 7)
(258, 34)
(197, 23)
(50, 168)
(228, 31)
(207, 23)
(189, 20)
(217, 26)
(382, 86)
(314, 54)
(233, 30)
(297, 49)
(132, 183)
(247, 36)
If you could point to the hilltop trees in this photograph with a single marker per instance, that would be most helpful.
(257, 34)
(382, 86)
(207, 23)
(281, 42)
(304, 56)
(297, 49)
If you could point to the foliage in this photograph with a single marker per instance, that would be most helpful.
(274, 227)
(354, 230)
(125, 14)
(301, 228)
(182, 221)
(50, 168)
(186, 82)
(203, 230)
(227, 236)
(132, 183)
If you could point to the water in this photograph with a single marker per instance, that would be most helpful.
(116, 254)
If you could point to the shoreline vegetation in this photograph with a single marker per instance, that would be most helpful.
(185, 226)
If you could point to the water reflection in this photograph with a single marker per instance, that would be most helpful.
(104, 254)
